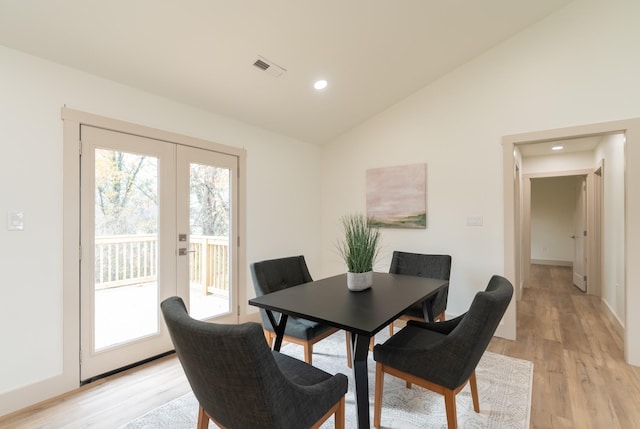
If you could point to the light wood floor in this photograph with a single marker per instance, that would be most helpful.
(580, 378)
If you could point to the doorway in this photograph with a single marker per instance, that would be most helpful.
(156, 221)
(558, 206)
(618, 293)
(173, 178)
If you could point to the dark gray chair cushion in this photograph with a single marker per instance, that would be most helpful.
(277, 274)
(240, 382)
(447, 353)
(421, 265)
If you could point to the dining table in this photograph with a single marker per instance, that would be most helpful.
(361, 313)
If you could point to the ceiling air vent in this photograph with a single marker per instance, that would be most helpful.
(261, 64)
(269, 67)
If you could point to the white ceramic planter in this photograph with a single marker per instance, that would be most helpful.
(359, 281)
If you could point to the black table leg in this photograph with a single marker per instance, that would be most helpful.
(278, 328)
(360, 350)
(427, 310)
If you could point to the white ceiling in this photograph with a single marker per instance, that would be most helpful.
(374, 53)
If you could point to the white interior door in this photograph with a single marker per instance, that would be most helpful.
(580, 231)
(142, 200)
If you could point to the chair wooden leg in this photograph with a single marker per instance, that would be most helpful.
(377, 401)
(391, 329)
(439, 318)
(269, 338)
(450, 406)
(474, 392)
(347, 335)
(203, 418)
(337, 411)
(308, 353)
(339, 418)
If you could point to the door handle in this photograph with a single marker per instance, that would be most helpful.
(183, 251)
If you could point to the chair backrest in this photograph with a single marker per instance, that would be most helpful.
(470, 338)
(423, 265)
(230, 368)
(275, 274)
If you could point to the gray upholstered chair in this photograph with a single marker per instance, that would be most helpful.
(443, 356)
(421, 265)
(276, 274)
(240, 383)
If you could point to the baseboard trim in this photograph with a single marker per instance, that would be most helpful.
(617, 324)
(32, 395)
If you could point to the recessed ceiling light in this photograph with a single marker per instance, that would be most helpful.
(557, 148)
(320, 84)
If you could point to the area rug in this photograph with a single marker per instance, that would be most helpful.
(504, 387)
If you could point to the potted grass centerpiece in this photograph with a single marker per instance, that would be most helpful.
(359, 248)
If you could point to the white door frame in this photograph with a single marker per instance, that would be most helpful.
(582, 237)
(73, 119)
(631, 129)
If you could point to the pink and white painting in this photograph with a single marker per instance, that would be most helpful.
(397, 196)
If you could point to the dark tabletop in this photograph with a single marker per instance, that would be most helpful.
(330, 302)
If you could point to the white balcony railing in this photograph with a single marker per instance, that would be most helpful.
(209, 263)
(124, 260)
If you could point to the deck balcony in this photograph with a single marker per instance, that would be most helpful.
(126, 293)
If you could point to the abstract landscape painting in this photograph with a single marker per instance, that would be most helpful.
(397, 196)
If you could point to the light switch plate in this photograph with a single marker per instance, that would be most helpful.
(15, 221)
(474, 220)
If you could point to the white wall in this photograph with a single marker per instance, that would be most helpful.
(283, 208)
(572, 68)
(553, 203)
(611, 150)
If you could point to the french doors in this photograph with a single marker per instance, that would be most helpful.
(157, 219)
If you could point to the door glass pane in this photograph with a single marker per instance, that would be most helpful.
(209, 215)
(126, 247)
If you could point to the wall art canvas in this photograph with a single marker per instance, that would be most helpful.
(397, 196)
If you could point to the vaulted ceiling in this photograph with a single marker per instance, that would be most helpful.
(373, 53)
